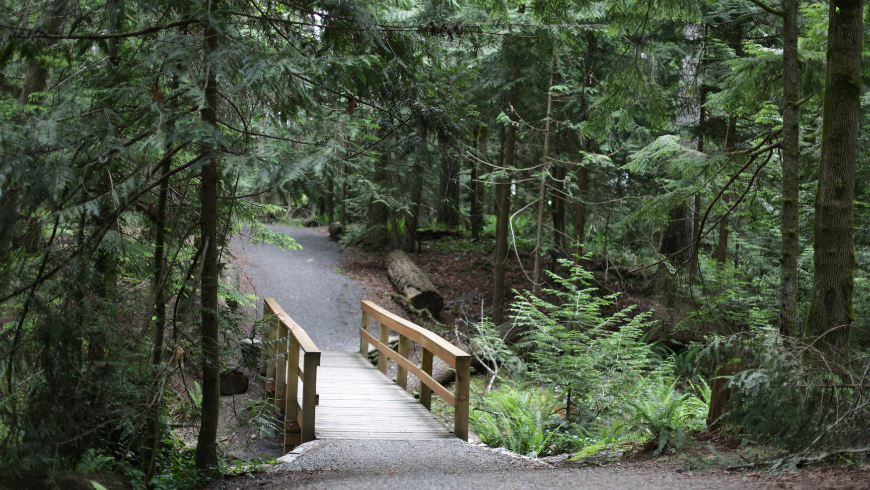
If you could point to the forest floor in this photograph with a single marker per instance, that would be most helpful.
(463, 276)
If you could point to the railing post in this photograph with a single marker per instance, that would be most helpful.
(363, 343)
(384, 339)
(309, 395)
(281, 367)
(291, 404)
(271, 349)
(463, 381)
(425, 391)
(402, 373)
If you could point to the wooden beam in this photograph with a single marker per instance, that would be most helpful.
(293, 373)
(309, 392)
(281, 365)
(385, 340)
(425, 391)
(297, 331)
(463, 384)
(416, 371)
(428, 340)
(363, 343)
(401, 372)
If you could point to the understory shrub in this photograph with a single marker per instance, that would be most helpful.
(666, 415)
(789, 394)
(576, 349)
(523, 422)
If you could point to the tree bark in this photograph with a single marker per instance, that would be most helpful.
(412, 282)
(448, 207)
(412, 218)
(342, 216)
(722, 244)
(330, 199)
(831, 312)
(580, 208)
(476, 194)
(206, 447)
(504, 214)
(376, 237)
(790, 247)
(542, 192)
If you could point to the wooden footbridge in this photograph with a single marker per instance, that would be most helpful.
(340, 395)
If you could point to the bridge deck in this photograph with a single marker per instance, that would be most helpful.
(358, 402)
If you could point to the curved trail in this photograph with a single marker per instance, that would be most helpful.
(308, 284)
(310, 287)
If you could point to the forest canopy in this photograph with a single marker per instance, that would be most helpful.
(708, 160)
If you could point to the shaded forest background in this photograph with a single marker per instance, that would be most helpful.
(708, 160)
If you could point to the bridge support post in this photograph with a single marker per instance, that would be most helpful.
(363, 343)
(402, 373)
(292, 435)
(463, 383)
(271, 350)
(425, 391)
(384, 339)
(309, 394)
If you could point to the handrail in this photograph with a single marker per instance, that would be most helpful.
(431, 344)
(285, 340)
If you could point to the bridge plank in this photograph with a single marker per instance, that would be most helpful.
(358, 402)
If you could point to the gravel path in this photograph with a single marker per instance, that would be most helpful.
(409, 465)
(308, 284)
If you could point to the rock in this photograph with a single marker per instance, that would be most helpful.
(234, 382)
(335, 230)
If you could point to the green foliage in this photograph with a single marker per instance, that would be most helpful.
(575, 347)
(520, 421)
(789, 394)
(659, 410)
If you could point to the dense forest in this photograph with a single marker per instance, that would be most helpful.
(685, 184)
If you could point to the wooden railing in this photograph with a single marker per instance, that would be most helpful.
(284, 369)
(430, 344)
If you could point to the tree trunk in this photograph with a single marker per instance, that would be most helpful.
(677, 237)
(330, 199)
(722, 244)
(152, 436)
(448, 207)
(342, 216)
(719, 396)
(36, 76)
(206, 446)
(376, 237)
(730, 145)
(702, 130)
(580, 208)
(476, 193)
(504, 214)
(831, 312)
(412, 218)
(412, 282)
(542, 192)
(790, 248)
(558, 209)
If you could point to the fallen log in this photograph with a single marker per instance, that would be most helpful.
(335, 230)
(412, 282)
